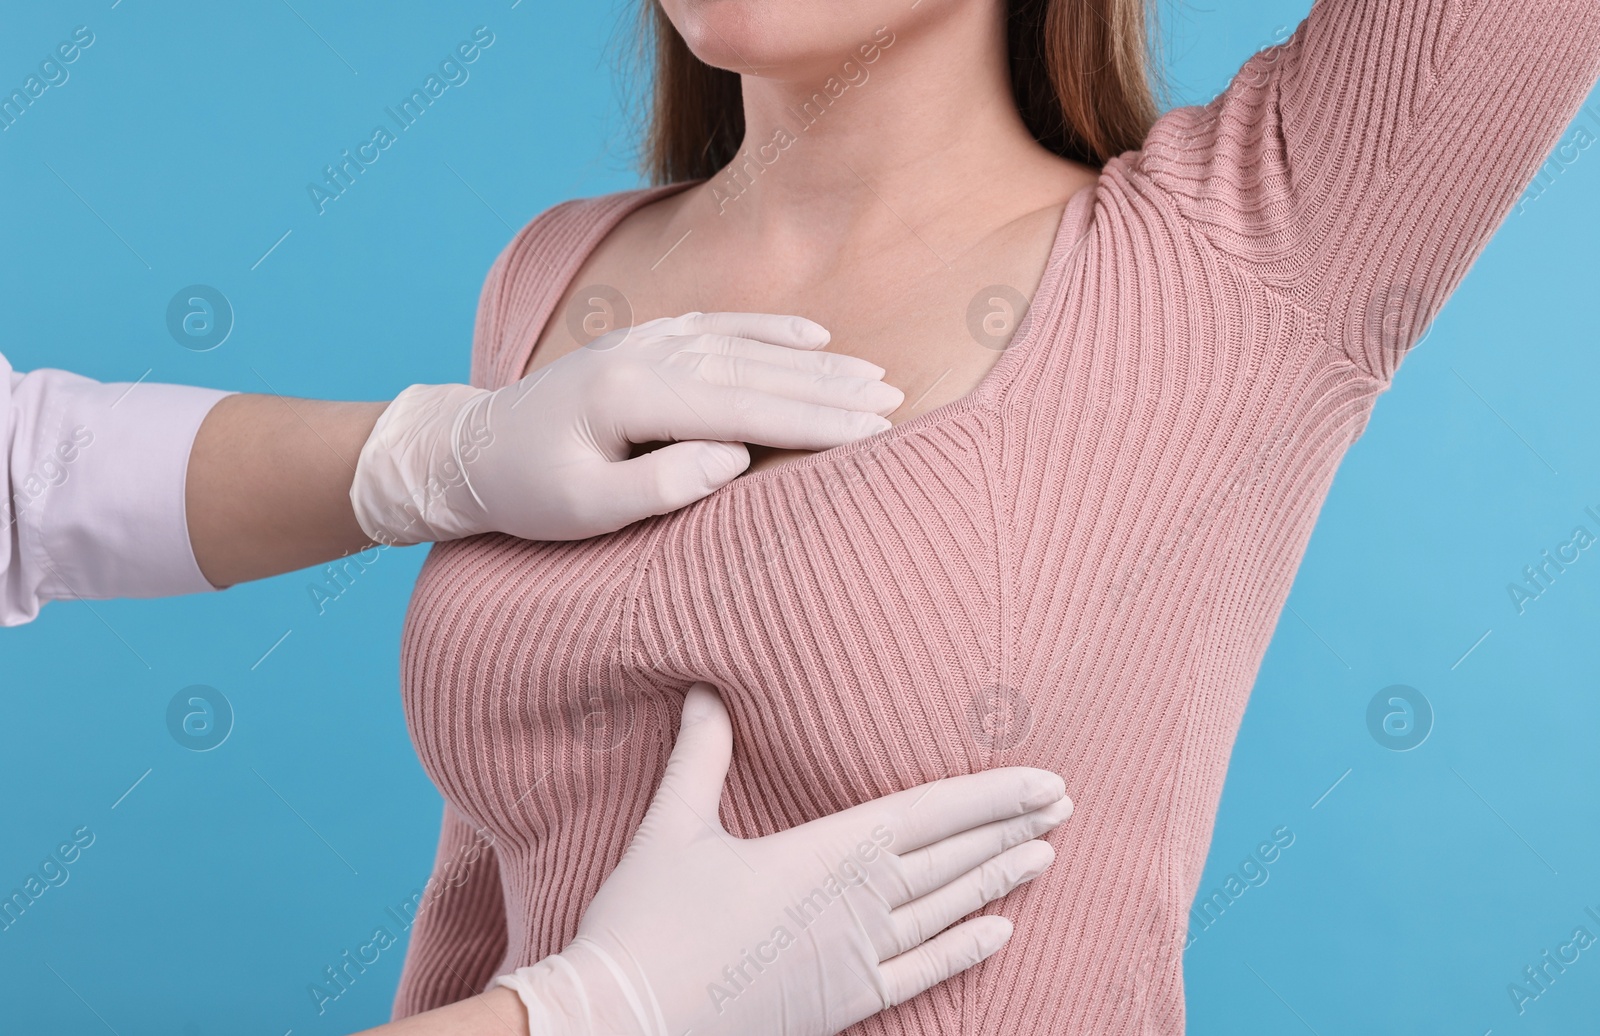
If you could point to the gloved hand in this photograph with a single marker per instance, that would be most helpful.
(546, 458)
(800, 933)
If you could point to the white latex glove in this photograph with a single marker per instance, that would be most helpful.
(800, 933)
(547, 457)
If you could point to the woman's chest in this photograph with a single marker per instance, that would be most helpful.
(846, 608)
(936, 325)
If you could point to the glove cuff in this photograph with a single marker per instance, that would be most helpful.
(410, 473)
(556, 1001)
(583, 991)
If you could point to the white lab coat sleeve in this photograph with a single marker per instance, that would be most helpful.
(94, 495)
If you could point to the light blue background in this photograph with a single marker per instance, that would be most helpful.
(220, 887)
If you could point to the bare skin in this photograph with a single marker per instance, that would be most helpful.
(268, 489)
(498, 1012)
(878, 220)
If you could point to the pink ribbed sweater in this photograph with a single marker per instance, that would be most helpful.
(1077, 566)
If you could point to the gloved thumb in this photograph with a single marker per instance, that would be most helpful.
(691, 792)
(675, 476)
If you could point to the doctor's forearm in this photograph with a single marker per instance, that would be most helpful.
(498, 1012)
(268, 487)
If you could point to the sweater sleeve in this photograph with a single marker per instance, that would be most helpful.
(458, 939)
(1360, 166)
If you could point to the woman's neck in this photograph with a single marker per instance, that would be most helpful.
(913, 130)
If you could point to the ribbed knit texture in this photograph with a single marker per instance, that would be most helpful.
(1077, 566)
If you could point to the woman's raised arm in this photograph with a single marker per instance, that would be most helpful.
(1359, 167)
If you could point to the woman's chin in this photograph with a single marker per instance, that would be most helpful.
(777, 40)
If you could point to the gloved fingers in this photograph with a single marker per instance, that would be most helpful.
(846, 392)
(839, 364)
(930, 812)
(949, 953)
(919, 920)
(794, 332)
(685, 805)
(741, 414)
(668, 478)
(701, 411)
(921, 871)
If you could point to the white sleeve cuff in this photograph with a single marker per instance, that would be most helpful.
(97, 480)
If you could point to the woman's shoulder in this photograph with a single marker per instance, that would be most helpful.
(535, 266)
(563, 229)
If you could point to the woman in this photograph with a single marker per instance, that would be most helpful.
(1072, 548)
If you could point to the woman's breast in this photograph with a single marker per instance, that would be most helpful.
(511, 676)
(846, 610)
(851, 609)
